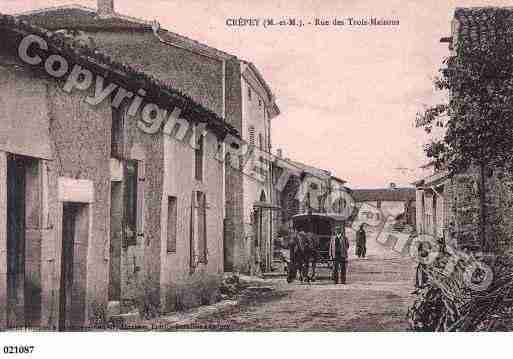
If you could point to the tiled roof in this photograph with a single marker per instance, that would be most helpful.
(383, 194)
(324, 174)
(79, 18)
(162, 94)
(86, 19)
(483, 24)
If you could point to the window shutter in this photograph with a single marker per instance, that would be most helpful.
(428, 202)
(419, 210)
(130, 204)
(171, 224)
(116, 147)
(140, 198)
(192, 250)
(202, 226)
(440, 216)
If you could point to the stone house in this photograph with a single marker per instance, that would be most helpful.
(448, 208)
(449, 204)
(300, 188)
(230, 87)
(258, 109)
(394, 202)
(95, 212)
(432, 194)
(304, 189)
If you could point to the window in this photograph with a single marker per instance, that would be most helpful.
(116, 134)
(171, 224)
(251, 135)
(249, 93)
(260, 142)
(259, 103)
(201, 220)
(198, 172)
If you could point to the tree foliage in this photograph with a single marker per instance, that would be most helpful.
(478, 117)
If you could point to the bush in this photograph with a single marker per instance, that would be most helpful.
(98, 315)
(197, 290)
(148, 300)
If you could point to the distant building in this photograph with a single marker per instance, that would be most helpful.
(304, 189)
(396, 202)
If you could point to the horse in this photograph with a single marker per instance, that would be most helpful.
(304, 251)
(297, 255)
(312, 255)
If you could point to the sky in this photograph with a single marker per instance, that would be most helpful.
(348, 95)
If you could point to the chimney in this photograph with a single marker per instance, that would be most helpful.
(105, 8)
(279, 153)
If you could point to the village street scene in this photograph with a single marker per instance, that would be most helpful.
(159, 172)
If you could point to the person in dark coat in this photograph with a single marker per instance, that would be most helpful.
(361, 242)
(293, 243)
(338, 253)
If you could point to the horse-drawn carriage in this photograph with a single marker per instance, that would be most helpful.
(311, 245)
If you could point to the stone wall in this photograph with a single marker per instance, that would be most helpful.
(235, 244)
(462, 208)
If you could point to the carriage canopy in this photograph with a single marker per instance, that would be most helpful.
(322, 226)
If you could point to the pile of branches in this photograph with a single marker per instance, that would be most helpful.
(444, 300)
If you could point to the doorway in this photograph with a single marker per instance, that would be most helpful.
(15, 242)
(23, 242)
(75, 235)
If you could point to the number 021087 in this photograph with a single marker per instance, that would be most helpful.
(18, 349)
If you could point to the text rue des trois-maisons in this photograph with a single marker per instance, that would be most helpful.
(353, 21)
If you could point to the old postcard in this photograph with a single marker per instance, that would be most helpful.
(236, 166)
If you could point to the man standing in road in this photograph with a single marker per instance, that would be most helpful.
(361, 239)
(338, 253)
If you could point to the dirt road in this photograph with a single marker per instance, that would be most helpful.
(375, 298)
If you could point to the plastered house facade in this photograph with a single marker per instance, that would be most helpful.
(96, 213)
